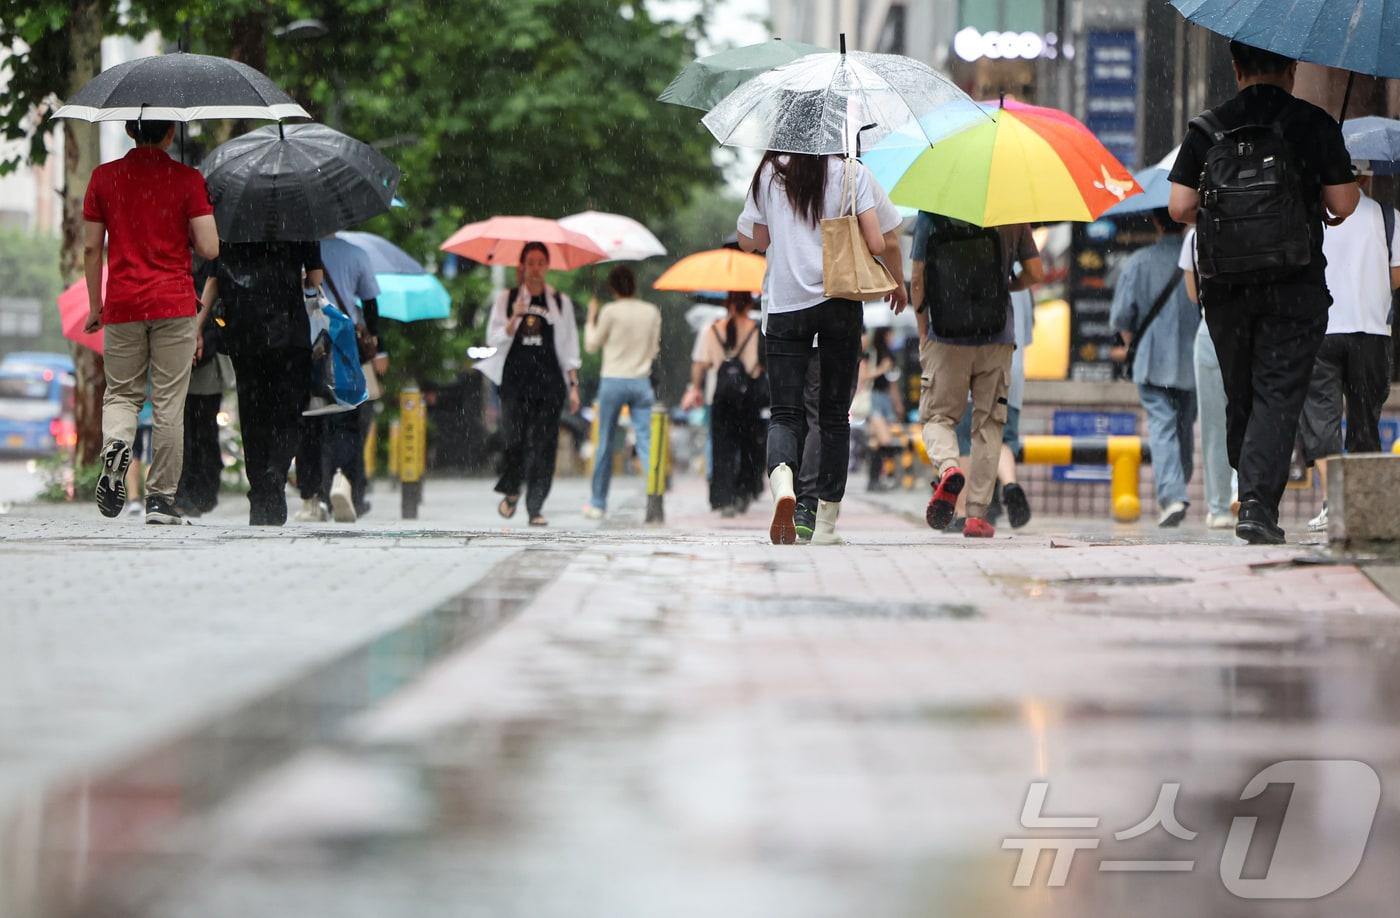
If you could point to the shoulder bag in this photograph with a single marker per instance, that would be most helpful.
(849, 271)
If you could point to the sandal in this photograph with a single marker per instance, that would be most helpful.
(506, 508)
(538, 521)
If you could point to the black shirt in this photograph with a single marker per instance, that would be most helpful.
(1314, 135)
(260, 284)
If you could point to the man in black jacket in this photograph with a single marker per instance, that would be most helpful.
(1267, 331)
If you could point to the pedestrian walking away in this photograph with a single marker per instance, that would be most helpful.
(1352, 372)
(963, 279)
(535, 333)
(725, 367)
(1259, 176)
(149, 210)
(1158, 321)
(263, 293)
(1221, 484)
(791, 193)
(877, 400)
(628, 332)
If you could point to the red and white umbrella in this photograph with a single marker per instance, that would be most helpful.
(622, 238)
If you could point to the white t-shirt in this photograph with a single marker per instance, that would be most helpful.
(794, 279)
(1187, 261)
(1358, 271)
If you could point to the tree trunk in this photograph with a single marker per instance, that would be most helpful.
(81, 152)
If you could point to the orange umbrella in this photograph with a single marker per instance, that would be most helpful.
(73, 311)
(498, 241)
(717, 269)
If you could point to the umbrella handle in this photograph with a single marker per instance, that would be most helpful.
(1346, 97)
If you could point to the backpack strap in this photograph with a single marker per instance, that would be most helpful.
(1207, 123)
(1388, 221)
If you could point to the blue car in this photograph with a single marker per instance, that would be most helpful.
(36, 411)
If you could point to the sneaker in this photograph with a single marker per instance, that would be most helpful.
(161, 512)
(342, 501)
(1018, 507)
(781, 530)
(995, 508)
(591, 512)
(729, 512)
(941, 505)
(134, 508)
(958, 524)
(1220, 521)
(978, 528)
(111, 484)
(312, 511)
(1172, 515)
(1255, 526)
(805, 521)
(1319, 522)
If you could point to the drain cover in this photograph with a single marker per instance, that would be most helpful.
(1117, 581)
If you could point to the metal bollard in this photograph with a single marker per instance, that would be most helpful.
(658, 464)
(1125, 459)
(413, 448)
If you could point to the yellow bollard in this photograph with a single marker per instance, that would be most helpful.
(658, 464)
(372, 450)
(413, 448)
(1125, 458)
(394, 448)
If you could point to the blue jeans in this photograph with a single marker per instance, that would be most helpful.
(613, 393)
(1171, 420)
(1210, 396)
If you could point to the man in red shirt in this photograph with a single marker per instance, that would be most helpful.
(150, 210)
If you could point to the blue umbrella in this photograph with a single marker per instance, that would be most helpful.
(1156, 189)
(1374, 139)
(407, 292)
(1362, 36)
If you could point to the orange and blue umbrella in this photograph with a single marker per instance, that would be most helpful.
(1027, 164)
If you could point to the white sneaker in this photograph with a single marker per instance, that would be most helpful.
(824, 533)
(591, 512)
(342, 501)
(312, 511)
(1319, 522)
(1220, 521)
(1172, 515)
(135, 508)
(782, 531)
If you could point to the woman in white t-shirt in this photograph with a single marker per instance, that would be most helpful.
(790, 195)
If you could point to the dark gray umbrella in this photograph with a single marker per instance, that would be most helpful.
(180, 87)
(296, 182)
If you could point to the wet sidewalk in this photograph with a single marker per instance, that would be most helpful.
(485, 720)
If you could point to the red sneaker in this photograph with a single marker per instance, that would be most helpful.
(978, 528)
(939, 512)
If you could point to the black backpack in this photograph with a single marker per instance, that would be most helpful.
(1255, 223)
(966, 286)
(732, 379)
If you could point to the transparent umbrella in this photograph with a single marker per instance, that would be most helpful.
(837, 102)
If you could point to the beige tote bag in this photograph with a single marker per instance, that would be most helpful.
(849, 271)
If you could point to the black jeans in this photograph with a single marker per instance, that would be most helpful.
(811, 437)
(836, 325)
(1350, 368)
(272, 391)
(1266, 338)
(530, 424)
(343, 450)
(734, 432)
(204, 464)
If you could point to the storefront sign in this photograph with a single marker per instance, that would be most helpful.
(1111, 92)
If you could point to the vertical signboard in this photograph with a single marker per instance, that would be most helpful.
(1097, 251)
(1111, 92)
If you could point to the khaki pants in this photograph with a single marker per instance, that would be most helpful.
(951, 371)
(162, 350)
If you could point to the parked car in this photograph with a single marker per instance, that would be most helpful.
(36, 411)
(37, 360)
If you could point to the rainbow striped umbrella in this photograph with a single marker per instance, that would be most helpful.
(1027, 165)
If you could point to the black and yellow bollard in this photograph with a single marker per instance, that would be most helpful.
(412, 449)
(658, 464)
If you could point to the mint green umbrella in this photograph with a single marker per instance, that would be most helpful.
(704, 82)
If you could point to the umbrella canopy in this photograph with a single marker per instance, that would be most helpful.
(1375, 140)
(622, 238)
(180, 87)
(1358, 35)
(1156, 189)
(1025, 165)
(498, 241)
(73, 314)
(412, 297)
(834, 102)
(704, 82)
(384, 256)
(296, 182)
(716, 269)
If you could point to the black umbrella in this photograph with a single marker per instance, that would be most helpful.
(296, 182)
(180, 87)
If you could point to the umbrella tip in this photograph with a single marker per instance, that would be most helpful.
(843, 44)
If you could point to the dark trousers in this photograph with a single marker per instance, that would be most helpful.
(343, 450)
(1267, 338)
(204, 464)
(1351, 376)
(812, 436)
(733, 435)
(837, 326)
(530, 424)
(272, 390)
(311, 477)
